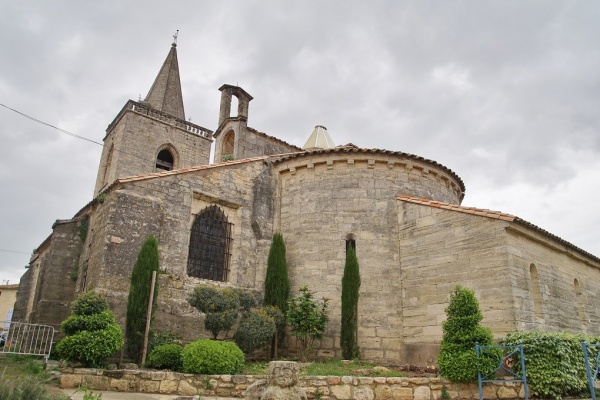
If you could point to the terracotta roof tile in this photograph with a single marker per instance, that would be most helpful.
(186, 170)
(455, 207)
(350, 148)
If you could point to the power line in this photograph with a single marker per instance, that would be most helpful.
(50, 125)
(76, 136)
(14, 251)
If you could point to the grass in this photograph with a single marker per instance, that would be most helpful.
(329, 368)
(25, 377)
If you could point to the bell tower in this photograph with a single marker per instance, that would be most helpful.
(153, 135)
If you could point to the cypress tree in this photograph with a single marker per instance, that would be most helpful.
(350, 286)
(139, 291)
(277, 284)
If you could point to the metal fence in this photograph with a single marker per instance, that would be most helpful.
(591, 351)
(504, 357)
(27, 339)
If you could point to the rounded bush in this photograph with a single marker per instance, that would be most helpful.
(95, 322)
(91, 347)
(256, 330)
(212, 357)
(166, 356)
(89, 303)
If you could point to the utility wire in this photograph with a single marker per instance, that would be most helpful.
(39, 121)
(14, 251)
(137, 184)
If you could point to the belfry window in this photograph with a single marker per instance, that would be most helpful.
(210, 243)
(228, 146)
(164, 160)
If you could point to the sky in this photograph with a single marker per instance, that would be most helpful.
(504, 93)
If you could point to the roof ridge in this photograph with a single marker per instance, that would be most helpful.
(457, 207)
(184, 170)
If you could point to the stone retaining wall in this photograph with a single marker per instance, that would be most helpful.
(317, 387)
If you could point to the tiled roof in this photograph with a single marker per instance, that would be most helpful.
(467, 210)
(495, 215)
(350, 148)
(273, 138)
(180, 171)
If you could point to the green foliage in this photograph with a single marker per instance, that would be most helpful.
(220, 322)
(92, 333)
(228, 157)
(350, 287)
(347, 368)
(277, 285)
(212, 357)
(445, 395)
(308, 319)
(26, 388)
(89, 303)
(101, 197)
(247, 299)
(166, 356)
(139, 293)
(222, 307)
(88, 394)
(160, 338)
(457, 360)
(277, 316)
(91, 348)
(554, 362)
(256, 330)
(94, 322)
(83, 230)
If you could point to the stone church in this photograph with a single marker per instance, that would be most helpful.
(214, 223)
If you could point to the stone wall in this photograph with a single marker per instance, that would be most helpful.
(316, 387)
(326, 199)
(166, 208)
(440, 249)
(248, 141)
(566, 292)
(53, 290)
(136, 137)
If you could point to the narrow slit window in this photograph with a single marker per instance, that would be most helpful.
(536, 293)
(350, 244)
(580, 306)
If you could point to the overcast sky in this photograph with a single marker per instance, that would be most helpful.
(504, 93)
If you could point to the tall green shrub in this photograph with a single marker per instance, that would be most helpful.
(350, 287)
(139, 293)
(277, 285)
(458, 360)
(91, 332)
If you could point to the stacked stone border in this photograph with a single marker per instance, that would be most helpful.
(316, 387)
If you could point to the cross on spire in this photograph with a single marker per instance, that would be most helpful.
(175, 38)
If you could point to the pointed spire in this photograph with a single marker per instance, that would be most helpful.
(319, 139)
(165, 93)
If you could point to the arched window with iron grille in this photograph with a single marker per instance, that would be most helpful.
(210, 243)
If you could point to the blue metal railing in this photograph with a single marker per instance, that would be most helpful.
(505, 356)
(592, 377)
